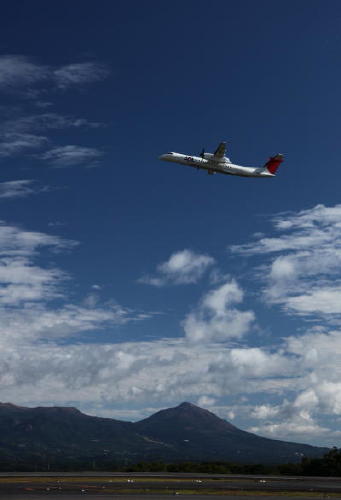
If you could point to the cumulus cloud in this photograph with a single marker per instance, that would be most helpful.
(290, 390)
(206, 401)
(68, 156)
(308, 227)
(41, 354)
(319, 352)
(302, 429)
(304, 275)
(183, 267)
(295, 419)
(21, 281)
(168, 371)
(159, 371)
(324, 301)
(300, 270)
(316, 396)
(27, 289)
(216, 318)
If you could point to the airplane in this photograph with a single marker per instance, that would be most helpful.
(219, 163)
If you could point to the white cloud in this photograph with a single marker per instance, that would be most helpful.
(293, 387)
(43, 122)
(67, 156)
(206, 401)
(264, 411)
(312, 227)
(315, 397)
(319, 355)
(38, 322)
(323, 300)
(74, 75)
(24, 134)
(27, 288)
(20, 135)
(305, 277)
(19, 242)
(301, 429)
(18, 189)
(33, 366)
(183, 267)
(21, 281)
(216, 318)
(17, 143)
(17, 72)
(293, 419)
(159, 371)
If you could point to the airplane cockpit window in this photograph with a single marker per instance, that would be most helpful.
(170, 153)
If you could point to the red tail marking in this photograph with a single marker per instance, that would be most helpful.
(273, 163)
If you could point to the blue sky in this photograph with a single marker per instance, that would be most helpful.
(128, 284)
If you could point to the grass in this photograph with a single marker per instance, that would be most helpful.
(117, 485)
(111, 479)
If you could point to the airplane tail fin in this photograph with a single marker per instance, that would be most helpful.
(273, 163)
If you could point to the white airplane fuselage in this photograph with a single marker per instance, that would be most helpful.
(213, 165)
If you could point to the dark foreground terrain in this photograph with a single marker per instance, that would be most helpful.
(235, 496)
(56, 438)
(160, 486)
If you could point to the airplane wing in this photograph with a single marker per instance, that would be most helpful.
(220, 151)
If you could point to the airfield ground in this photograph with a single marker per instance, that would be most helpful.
(160, 486)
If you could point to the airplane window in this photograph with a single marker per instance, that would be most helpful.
(169, 153)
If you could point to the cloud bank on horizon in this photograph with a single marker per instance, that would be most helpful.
(203, 365)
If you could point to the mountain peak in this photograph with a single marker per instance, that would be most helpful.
(183, 419)
(187, 405)
(193, 411)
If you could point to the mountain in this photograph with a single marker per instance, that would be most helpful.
(195, 432)
(65, 436)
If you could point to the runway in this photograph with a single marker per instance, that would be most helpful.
(127, 486)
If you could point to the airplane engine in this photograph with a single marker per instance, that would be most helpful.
(208, 156)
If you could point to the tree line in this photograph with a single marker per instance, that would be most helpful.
(328, 465)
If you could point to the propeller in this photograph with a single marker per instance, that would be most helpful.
(202, 153)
